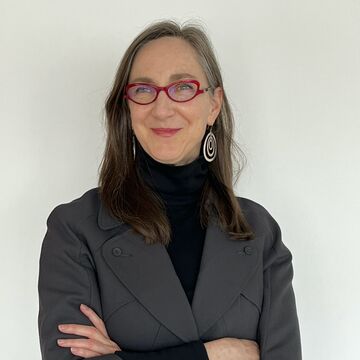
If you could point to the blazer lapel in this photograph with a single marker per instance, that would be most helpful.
(225, 268)
(148, 273)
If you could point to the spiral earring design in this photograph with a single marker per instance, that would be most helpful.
(210, 146)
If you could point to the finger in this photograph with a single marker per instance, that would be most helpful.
(94, 318)
(85, 344)
(84, 353)
(83, 330)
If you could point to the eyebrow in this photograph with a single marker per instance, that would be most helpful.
(172, 78)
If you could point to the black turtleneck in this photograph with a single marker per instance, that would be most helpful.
(180, 188)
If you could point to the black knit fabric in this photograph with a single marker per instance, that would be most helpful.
(180, 188)
(189, 351)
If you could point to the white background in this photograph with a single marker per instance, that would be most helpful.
(291, 71)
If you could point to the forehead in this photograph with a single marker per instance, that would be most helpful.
(160, 60)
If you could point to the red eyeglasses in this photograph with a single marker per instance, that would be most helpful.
(179, 91)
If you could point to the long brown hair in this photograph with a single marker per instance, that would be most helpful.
(121, 188)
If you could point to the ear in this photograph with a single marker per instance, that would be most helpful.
(216, 102)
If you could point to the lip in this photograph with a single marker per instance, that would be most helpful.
(166, 132)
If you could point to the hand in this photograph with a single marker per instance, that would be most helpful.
(98, 342)
(232, 349)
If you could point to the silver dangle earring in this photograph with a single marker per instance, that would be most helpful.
(210, 146)
(133, 145)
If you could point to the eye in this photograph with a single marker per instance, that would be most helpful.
(182, 88)
(185, 86)
(142, 89)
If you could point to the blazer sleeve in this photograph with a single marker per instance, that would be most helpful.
(66, 279)
(278, 333)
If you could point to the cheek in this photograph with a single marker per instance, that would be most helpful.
(138, 116)
(196, 116)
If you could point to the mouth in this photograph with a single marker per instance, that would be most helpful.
(165, 132)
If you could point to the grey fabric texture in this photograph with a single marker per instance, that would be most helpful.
(244, 288)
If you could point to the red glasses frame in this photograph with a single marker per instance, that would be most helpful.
(166, 89)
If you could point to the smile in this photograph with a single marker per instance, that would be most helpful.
(165, 132)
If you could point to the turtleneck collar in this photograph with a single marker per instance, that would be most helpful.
(177, 185)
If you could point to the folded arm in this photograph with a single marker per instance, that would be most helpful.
(67, 279)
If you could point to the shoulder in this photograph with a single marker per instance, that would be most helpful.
(76, 210)
(261, 221)
(257, 215)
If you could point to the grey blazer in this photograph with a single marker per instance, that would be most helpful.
(243, 290)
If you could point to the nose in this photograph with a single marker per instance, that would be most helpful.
(163, 106)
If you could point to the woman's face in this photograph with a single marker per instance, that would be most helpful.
(161, 62)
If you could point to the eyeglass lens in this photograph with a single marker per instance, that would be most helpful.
(143, 93)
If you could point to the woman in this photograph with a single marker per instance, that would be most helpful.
(171, 264)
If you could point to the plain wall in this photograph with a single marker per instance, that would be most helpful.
(291, 72)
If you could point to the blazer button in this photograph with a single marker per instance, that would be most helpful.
(116, 251)
(248, 250)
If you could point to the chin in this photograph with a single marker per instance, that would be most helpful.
(166, 159)
(165, 156)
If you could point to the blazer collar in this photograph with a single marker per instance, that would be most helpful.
(147, 271)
